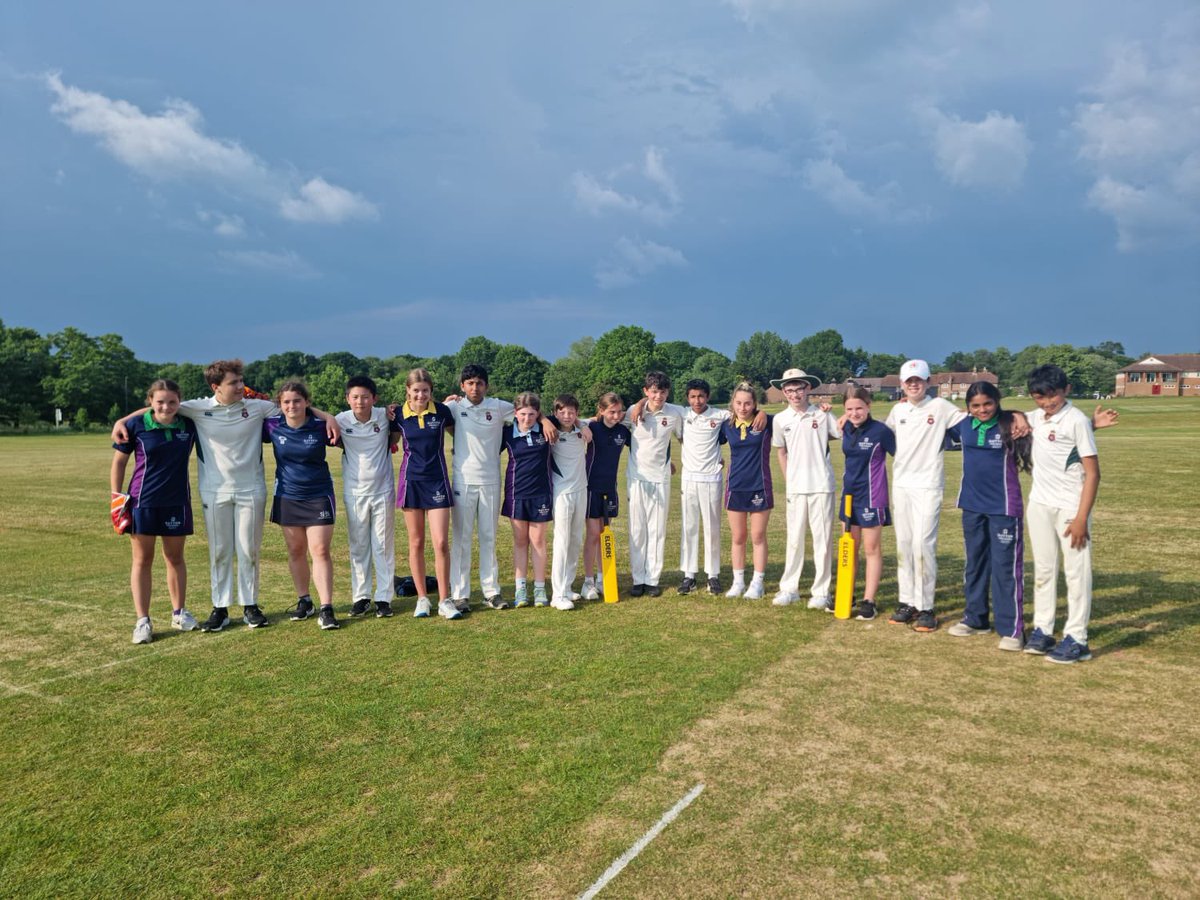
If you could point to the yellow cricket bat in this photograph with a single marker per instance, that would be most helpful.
(608, 563)
(847, 562)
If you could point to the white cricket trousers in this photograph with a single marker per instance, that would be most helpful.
(475, 506)
(814, 512)
(371, 529)
(701, 507)
(1045, 526)
(570, 519)
(915, 515)
(234, 523)
(649, 502)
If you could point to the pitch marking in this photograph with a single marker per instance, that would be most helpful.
(628, 856)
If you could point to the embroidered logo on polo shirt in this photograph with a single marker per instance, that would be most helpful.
(488, 416)
(1050, 436)
(245, 413)
(664, 423)
(310, 439)
(815, 424)
(929, 421)
(282, 438)
(619, 440)
(712, 423)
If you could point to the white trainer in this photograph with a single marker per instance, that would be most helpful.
(785, 598)
(184, 621)
(818, 603)
(562, 603)
(1011, 644)
(962, 629)
(736, 589)
(143, 633)
(447, 610)
(424, 608)
(574, 595)
(590, 592)
(755, 591)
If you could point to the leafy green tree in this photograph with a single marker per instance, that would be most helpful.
(761, 357)
(328, 389)
(1080, 370)
(24, 366)
(349, 363)
(479, 351)
(189, 377)
(267, 374)
(93, 373)
(881, 364)
(620, 360)
(713, 367)
(677, 357)
(824, 354)
(514, 370)
(568, 374)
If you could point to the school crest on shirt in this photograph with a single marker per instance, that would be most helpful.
(245, 413)
(377, 429)
(664, 422)
(816, 424)
(619, 440)
(282, 438)
(1050, 436)
(711, 424)
(929, 421)
(310, 439)
(488, 416)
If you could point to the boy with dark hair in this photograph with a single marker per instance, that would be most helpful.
(1066, 476)
(368, 486)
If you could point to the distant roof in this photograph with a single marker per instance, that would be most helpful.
(1167, 362)
(963, 377)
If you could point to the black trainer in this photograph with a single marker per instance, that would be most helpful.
(714, 586)
(904, 615)
(326, 619)
(654, 590)
(360, 608)
(495, 601)
(301, 611)
(383, 610)
(253, 616)
(864, 609)
(637, 590)
(926, 621)
(218, 620)
(687, 585)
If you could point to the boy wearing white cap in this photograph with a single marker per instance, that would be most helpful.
(802, 433)
(918, 479)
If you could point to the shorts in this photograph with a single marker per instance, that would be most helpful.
(424, 495)
(303, 513)
(749, 501)
(163, 521)
(534, 509)
(865, 516)
(603, 504)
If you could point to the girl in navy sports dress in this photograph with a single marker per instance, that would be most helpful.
(528, 497)
(749, 495)
(992, 518)
(423, 488)
(158, 502)
(866, 443)
(609, 438)
(303, 505)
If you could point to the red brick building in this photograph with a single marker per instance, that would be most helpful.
(1174, 375)
(953, 385)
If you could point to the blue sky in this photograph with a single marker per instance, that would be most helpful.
(217, 179)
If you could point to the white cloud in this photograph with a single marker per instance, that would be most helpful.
(172, 145)
(851, 198)
(320, 201)
(1140, 138)
(633, 260)
(286, 262)
(991, 153)
(597, 196)
(224, 225)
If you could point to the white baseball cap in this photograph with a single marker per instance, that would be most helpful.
(915, 368)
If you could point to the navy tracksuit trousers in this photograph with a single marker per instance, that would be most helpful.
(995, 549)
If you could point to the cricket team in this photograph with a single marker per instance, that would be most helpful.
(562, 468)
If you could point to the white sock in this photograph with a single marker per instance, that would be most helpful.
(520, 584)
(739, 576)
(539, 585)
(758, 577)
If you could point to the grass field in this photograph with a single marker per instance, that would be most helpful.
(517, 753)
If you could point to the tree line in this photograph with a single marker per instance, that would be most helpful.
(96, 379)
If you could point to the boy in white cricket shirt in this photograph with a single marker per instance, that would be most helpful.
(649, 475)
(568, 474)
(700, 487)
(918, 479)
(478, 429)
(802, 433)
(1066, 476)
(368, 493)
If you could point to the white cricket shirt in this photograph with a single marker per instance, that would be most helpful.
(569, 457)
(478, 431)
(920, 439)
(1059, 443)
(366, 459)
(806, 435)
(650, 448)
(229, 440)
(701, 455)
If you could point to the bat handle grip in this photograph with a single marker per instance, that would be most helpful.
(849, 504)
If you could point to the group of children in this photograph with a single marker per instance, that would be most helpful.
(563, 468)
